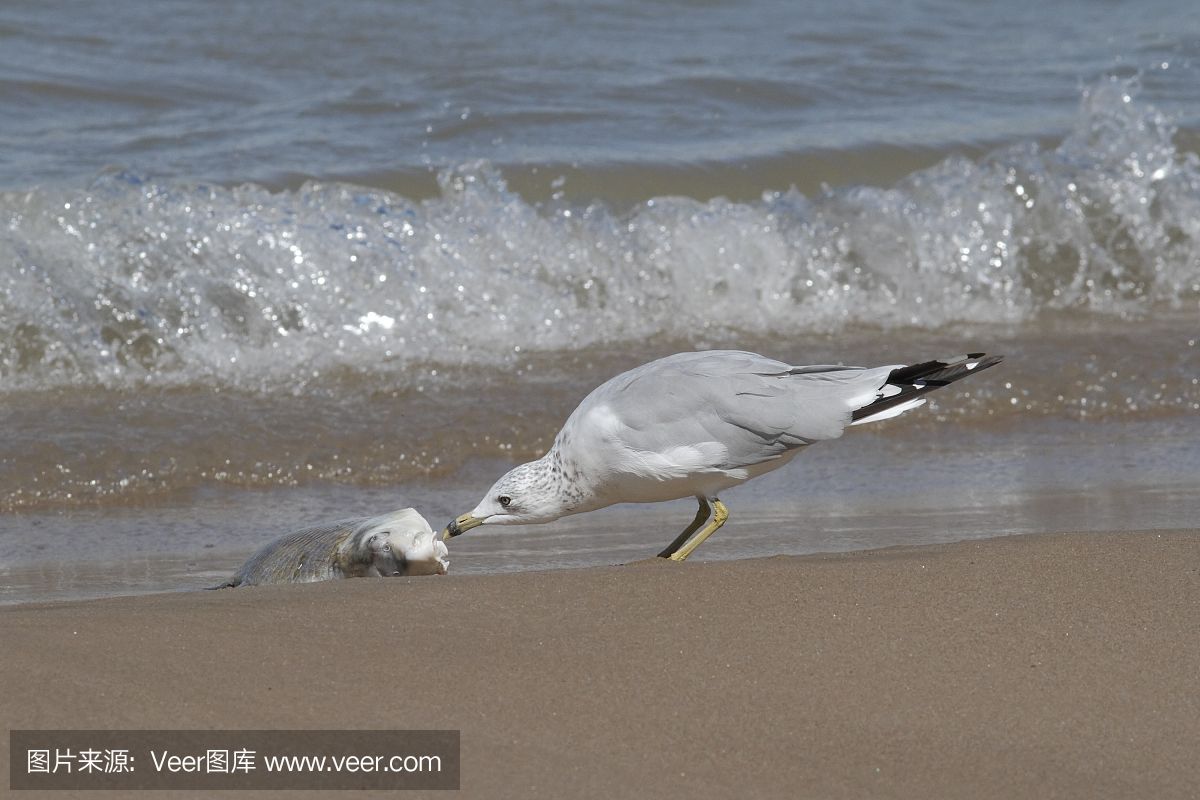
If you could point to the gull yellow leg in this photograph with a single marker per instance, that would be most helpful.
(702, 515)
(720, 514)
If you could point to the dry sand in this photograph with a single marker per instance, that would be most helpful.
(1038, 666)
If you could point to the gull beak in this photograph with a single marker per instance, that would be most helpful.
(461, 525)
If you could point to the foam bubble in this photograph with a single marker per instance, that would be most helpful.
(130, 281)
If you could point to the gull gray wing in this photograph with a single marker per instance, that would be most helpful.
(756, 408)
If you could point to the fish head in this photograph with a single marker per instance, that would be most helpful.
(402, 543)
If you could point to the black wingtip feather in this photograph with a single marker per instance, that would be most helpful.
(923, 378)
(944, 371)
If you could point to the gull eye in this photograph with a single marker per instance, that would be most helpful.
(505, 500)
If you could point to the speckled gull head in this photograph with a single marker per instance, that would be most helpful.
(528, 493)
(695, 424)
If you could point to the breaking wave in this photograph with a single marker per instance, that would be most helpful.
(129, 280)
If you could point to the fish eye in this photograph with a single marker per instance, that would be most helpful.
(505, 500)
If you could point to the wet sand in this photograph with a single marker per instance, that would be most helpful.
(1058, 665)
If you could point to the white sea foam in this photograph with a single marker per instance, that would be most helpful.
(129, 280)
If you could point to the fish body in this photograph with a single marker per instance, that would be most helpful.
(399, 543)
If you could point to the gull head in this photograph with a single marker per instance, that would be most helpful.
(525, 494)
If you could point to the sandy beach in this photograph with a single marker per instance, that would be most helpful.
(269, 266)
(1059, 665)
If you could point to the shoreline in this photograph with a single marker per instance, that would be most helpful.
(189, 545)
(1035, 665)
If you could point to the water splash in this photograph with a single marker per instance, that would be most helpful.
(129, 281)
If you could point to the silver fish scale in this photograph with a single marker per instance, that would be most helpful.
(305, 556)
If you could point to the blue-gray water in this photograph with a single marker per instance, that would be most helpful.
(261, 263)
(273, 91)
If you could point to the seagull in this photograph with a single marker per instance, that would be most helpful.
(695, 424)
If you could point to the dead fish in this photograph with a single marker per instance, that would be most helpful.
(399, 543)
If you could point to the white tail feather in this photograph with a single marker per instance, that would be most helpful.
(894, 411)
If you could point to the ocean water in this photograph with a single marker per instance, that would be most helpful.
(265, 265)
